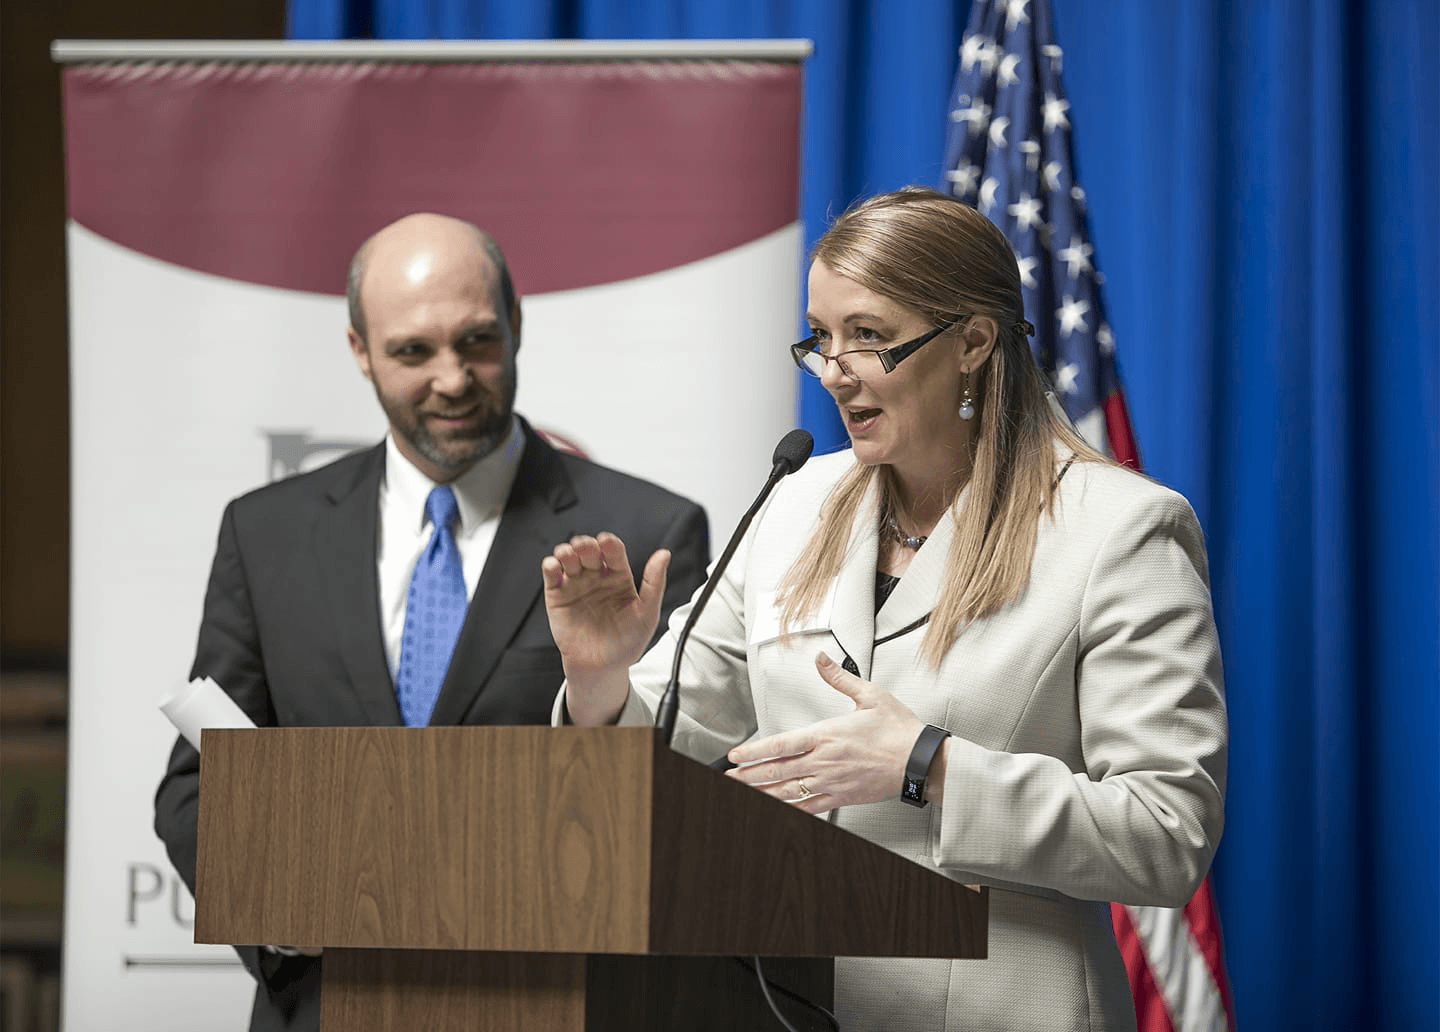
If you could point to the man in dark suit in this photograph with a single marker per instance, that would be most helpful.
(330, 590)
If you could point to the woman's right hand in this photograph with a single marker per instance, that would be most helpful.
(599, 621)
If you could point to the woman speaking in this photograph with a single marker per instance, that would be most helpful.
(968, 637)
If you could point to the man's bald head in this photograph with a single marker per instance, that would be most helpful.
(434, 326)
(424, 231)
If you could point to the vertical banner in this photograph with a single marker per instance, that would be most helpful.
(647, 201)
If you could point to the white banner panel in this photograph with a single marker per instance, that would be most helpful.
(208, 356)
(692, 391)
(179, 382)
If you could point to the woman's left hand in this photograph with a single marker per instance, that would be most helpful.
(857, 758)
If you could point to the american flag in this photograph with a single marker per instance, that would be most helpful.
(1007, 153)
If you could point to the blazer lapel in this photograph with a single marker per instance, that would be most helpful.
(852, 619)
(510, 585)
(914, 597)
(345, 537)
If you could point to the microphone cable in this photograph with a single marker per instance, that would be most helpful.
(766, 985)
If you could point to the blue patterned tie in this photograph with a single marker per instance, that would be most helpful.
(434, 611)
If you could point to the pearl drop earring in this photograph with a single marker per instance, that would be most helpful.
(967, 403)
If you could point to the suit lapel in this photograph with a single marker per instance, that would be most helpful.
(915, 595)
(852, 620)
(345, 538)
(534, 522)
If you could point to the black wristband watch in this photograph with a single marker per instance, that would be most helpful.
(918, 767)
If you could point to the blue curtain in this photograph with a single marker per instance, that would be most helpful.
(1262, 182)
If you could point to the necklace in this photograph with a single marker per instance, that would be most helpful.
(911, 541)
(914, 541)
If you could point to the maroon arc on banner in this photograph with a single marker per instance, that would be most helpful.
(352, 146)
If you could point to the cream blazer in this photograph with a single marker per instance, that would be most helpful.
(1089, 756)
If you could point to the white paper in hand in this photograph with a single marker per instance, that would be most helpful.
(199, 704)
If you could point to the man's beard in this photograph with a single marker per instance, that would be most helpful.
(459, 451)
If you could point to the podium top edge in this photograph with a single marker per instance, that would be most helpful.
(76, 51)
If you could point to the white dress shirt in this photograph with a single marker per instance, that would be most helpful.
(404, 532)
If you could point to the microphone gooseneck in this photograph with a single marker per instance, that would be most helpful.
(790, 454)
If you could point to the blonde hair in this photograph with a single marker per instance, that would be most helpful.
(942, 258)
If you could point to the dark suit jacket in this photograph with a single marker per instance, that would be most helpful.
(291, 627)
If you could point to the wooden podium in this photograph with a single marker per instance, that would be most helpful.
(509, 878)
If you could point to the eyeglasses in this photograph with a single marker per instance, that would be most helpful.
(863, 363)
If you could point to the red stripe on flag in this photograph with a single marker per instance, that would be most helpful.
(1117, 425)
(1204, 920)
(1150, 1012)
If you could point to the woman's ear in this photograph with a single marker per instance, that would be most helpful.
(977, 338)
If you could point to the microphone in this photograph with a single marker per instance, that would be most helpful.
(790, 454)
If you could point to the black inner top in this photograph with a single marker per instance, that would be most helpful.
(884, 585)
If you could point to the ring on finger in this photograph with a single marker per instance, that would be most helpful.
(805, 792)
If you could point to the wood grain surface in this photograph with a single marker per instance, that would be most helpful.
(469, 838)
(561, 840)
(451, 991)
(745, 873)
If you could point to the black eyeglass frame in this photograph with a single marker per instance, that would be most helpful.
(889, 357)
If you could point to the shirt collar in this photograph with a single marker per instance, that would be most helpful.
(480, 491)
